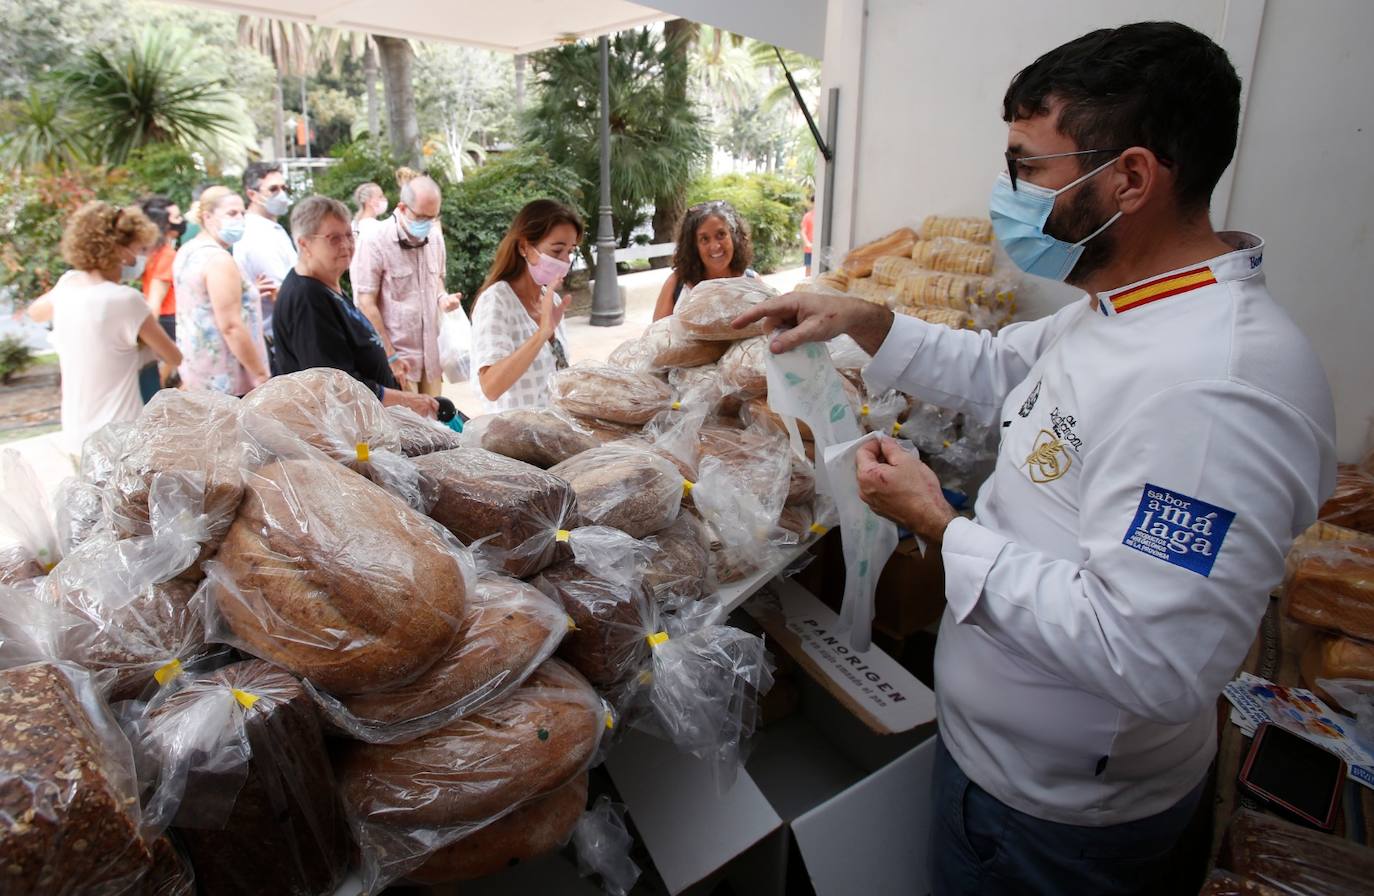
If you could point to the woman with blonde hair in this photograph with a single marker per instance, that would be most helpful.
(371, 204)
(517, 321)
(219, 313)
(103, 330)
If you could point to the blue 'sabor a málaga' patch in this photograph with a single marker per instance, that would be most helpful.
(1178, 529)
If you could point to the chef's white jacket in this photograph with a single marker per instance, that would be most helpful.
(1160, 450)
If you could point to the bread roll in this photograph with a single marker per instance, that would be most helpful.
(709, 311)
(609, 393)
(516, 507)
(537, 436)
(326, 575)
(538, 827)
(624, 486)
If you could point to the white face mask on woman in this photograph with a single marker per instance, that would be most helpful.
(133, 271)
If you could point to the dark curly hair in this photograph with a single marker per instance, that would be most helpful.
(1160, 85)
(687, 260)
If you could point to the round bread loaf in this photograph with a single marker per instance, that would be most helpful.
(682, 565)
(610, 393)
(419, 435)
(327, 575)
(517, 507)
(743, 369)
(608, 642)
(480, 767)
(714, 304)
(537, 436)
(509, 629)
(624, 486)
(538, 827)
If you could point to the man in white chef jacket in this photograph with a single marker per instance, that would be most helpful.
(1164, 439)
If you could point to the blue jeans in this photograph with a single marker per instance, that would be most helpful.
(978, 845)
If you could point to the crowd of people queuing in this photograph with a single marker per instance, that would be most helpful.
(243, 286)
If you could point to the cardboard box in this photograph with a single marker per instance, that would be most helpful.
(911, 590)
(836, 794)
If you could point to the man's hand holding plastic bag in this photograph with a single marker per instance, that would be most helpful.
(897, 485)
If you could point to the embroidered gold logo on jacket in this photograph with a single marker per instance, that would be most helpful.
(1049, 459)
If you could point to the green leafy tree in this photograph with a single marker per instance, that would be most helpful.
(148, 94)
(40, 130)
(657, 140)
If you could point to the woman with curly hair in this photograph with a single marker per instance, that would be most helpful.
(713, 242)
(102, 329)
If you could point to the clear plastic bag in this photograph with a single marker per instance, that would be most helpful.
(666, 346)
(610, 393)
(419, 435)
(884, 413)
(714, 304)
(625, 486)
(516, 509)
(681, 563)
(329, 576)
(859, 261)
(1292, 860)
(405, 802)
(28, 538)
(236, 761)
(746, 526)
(455, 345)
(603, 845)
(1352, 504)
(80, 513)
(71, 806)
(1330, 581)
(540, 437)
(1356, 697)
(742, 369)
(337, 415)
(538, 827)
(510, 628)
(931, 428)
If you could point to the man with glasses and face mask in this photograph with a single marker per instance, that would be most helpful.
(398, 277)
(265, 253)
(1164, 439)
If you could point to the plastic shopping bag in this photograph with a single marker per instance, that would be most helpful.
(455, 345)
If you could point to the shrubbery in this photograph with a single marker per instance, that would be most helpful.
(772, 205)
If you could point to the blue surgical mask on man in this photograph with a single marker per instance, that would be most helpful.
(1018, 220)
(418, 229)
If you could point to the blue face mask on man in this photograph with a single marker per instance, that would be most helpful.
(418, 230)
(1018, 219)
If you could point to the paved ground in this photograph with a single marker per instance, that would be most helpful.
(51, 465)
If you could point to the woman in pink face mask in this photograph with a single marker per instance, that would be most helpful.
(517, 321)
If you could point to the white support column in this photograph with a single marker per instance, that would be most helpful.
(845, 26)
(1241, 23)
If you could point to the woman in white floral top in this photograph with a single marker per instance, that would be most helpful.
(219, 314)
(517, 321)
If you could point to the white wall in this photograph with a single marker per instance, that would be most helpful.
(792, 24)
(921, 84)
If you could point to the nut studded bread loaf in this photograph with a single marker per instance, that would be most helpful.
(608, 642)
(538, 827)
(509, 629)
(285, 832)
(518, 507)
(610, 393)
(1352, 504)
(327, 575)
(713, 305)
(66, 798)
(420, 436)
(624, 486)
(171, 874)
(539, 437)
(1294, 859)
(480, 767)
(1331, 581)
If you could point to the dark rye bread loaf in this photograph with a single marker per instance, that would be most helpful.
(517, 507)
(610, 393)
(67, 822)
(509, 629)
(538, 827)
(329, 576)
(482, 766)
(286, 831)
(608, 644)
(682, 565)
(421, 436)
(624, 486)
(536, 436)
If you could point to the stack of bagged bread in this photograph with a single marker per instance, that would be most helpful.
(948, 273)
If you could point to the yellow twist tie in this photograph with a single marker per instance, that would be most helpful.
(49, 567)
(946, 443)
(687, 487)
(657, 638)
(818, 529)
(863, 412)
(572, 626)
(896, 428)
(562, 536)
(245, 699)
(610, 721)
(363, 452)
(167, 672)
(677, 405)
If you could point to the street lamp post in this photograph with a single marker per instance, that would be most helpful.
(606, 308)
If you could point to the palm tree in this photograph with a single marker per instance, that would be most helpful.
(294, 51)
(340, 45)
(403, 125)
(148, 94)
(40, 130)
